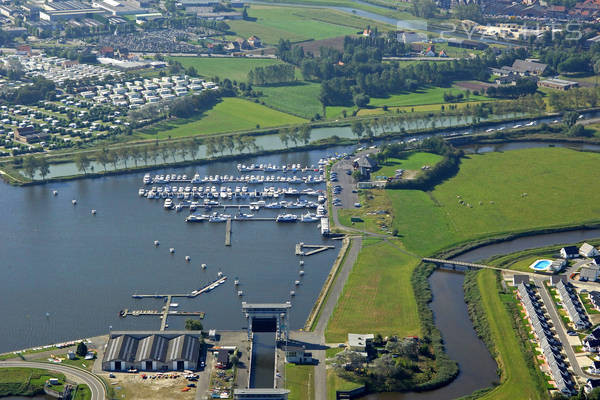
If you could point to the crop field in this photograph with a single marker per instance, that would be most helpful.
(232, 114)
(379, 282)
(500, 192)
(298, 24)
(300, 99)
(232, 68)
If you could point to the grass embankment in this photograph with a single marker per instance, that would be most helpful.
(378, 283)
(230, 115)
(300, 23)
(299, 380)
(83, 393)
(25, 381)
(232, 68)
(520, 379)
(375, 212)
(335, 383)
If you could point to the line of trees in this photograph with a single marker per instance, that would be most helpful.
(272, 74)
(521, 87)
(32, 164)
(152, 154)
(298, 134)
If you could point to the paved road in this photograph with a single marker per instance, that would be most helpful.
(95, 384)
(559, 328)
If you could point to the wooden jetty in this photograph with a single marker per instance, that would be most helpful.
(317, 248)
(228, 233)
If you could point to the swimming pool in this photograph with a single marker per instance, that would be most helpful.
(541, 265)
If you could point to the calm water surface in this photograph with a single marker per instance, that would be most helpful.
(82, 269)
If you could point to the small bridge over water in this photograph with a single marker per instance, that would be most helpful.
(464, 266)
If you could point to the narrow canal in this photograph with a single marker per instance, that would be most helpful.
(262, 374)
(477, 368)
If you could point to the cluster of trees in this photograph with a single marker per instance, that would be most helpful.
(236, 143)
(272, 74)
(574, 98)
(522, 87)
(40, 89)
(392, 365)
(443, 170)
(32, 164)
(187, 106)
(450, 97)
(298, 134)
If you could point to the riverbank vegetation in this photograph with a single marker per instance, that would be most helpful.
(25, 381)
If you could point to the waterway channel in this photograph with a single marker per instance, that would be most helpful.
(477, 368)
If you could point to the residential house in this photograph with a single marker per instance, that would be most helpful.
(254, 41)
(591, 345)
(520, 278)
(591, 384)
(595, 299)
(589, 273)
(569, 252)
(587, 250)
(594, 368)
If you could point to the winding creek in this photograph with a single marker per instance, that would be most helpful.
(59, 259)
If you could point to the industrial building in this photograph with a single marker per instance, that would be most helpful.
(152, 351)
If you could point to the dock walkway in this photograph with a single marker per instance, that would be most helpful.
(317, 248)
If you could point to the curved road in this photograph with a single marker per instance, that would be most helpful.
(78, 375)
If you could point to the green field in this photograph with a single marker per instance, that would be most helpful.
(301, 99)
(516, 376)
(232, 68)
(379, 282)
(553, 179)
(25, 381)
(83, 393)
(231, 114)
(413, 161)
(430, 95)
(334, 382)
(298, 24)
(299, 380)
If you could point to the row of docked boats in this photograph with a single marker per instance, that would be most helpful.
(255, 205)
(275, 168)
(217, 217)
(248, 179)
(224, 192)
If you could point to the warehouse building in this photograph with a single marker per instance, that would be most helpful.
(152, 351)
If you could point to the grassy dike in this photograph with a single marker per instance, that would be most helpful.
(497, 321)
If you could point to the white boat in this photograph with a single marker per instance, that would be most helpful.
(287, 218)
(147, 179)
(197, 218)
(174, 305)
(308, 217)
(168, 204)
(243, 216)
